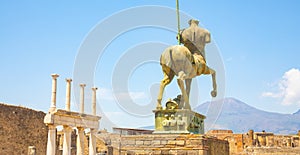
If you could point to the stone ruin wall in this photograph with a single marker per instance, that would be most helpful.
(166, 144)
(262, 143)
(20, 128)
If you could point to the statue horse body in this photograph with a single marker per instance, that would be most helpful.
(177, 60)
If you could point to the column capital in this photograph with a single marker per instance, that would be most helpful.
(68, 80)
(82, 85)
(93, 130)
(67, 128)
(94, 88)
(80, 128)
(54, 76)
(51, 127)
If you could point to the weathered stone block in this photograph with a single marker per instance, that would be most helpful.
(147, 142)
(180, 142)
(130, 142)
(157, 152)
(163, 142)
(138, 143)
(165, 152)
(171, 142)
(155, 142)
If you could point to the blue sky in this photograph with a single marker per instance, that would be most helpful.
(258, 42)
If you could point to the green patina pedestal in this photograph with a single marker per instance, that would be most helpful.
(176, 121)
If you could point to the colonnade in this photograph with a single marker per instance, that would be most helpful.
(70, 120)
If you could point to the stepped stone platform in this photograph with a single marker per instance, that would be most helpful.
(172, 144)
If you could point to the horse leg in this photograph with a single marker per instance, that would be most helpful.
(188, 89)
(166, 80)
(188, 86)
(184, 94)
(213, 76)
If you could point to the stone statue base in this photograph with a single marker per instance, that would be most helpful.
(178, 121)
(171, 144)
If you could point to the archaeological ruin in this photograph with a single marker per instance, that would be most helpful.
(23, 129)
(65, 132)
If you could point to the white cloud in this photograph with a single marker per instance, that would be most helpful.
(271, 94)
(132, 95)
(123, 119)
(105, 94)
(108, 94)
(288, 88)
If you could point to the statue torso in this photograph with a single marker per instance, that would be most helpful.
(195, 38)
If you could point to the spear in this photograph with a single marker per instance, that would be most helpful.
(178, 22)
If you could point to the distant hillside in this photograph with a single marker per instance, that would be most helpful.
(240, 117)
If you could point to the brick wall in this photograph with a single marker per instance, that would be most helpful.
(168, 144)
(21, 127)
(261, 143)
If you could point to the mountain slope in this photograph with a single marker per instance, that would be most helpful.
(240, 117)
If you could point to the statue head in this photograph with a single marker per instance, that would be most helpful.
(193, 21)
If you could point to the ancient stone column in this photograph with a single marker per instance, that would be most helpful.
(94, 100)
(67, 140)
(60, 138)
(51, 143)
(289, 142)
(251, 137)
(268, 140)
(92, 142)
(110, 150)
(255, 140)
(80, 141)
(68, 94)
(263, 140)
(53, 96)
(82, 97)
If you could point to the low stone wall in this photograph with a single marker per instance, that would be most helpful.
(20, 128)
(270, 151)
(170, 144)
(259, 143)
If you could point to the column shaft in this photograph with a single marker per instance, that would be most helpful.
(53, 96)
(94, 100)
(51, 143)
(82, 98)
(92, 142)
(68, 94)
(67, 140)
(80, 141)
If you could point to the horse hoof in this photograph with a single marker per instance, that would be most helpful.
(213, 93)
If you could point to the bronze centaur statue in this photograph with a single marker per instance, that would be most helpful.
(178, 60)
